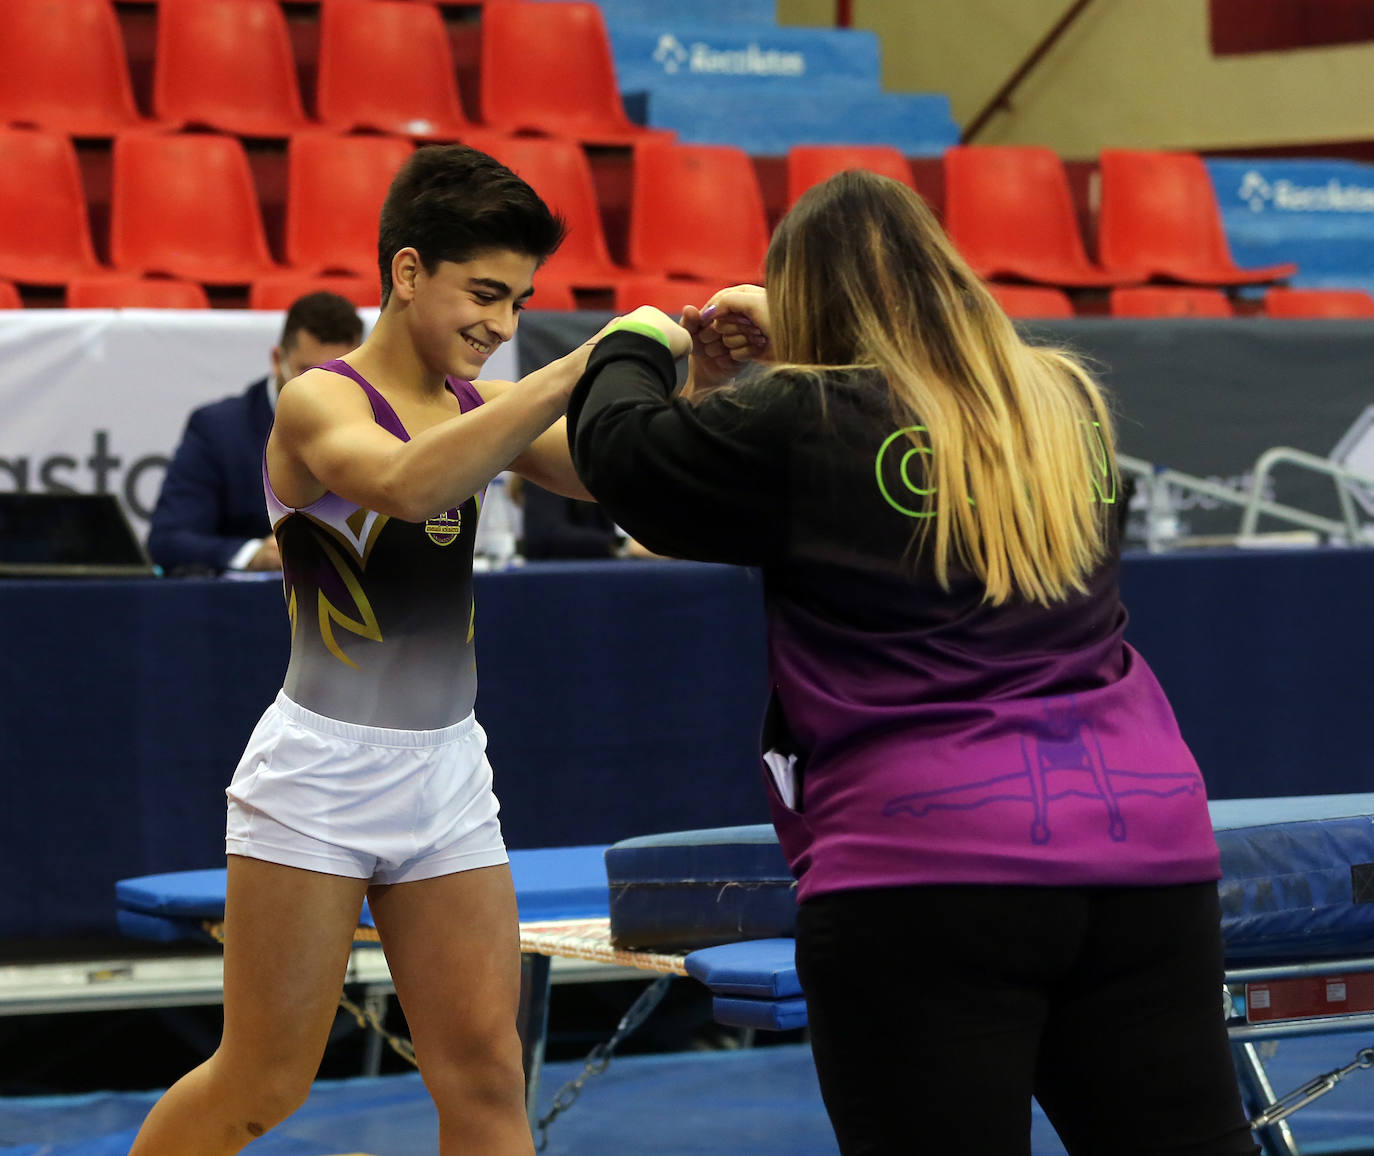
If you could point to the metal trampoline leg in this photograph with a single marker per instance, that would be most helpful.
(532, 1022)
(1256, 1094)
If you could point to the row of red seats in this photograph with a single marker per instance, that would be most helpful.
(185, 205)
(383, 65)
(1156, 301)
(112, 291)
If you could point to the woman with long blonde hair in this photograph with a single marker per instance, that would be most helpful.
(979, 785)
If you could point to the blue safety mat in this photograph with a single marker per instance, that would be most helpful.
(1298, 880)
(689, 889)
(550, 883)
(763, 1101)
(759, 969)
(1298, 876)
(753, 984)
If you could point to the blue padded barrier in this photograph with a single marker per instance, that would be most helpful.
(1298, 884)
(159, 928)
(689, 889)
(550, 883)
(674, 54)
(753, 985)
(769, 121)
(1298, 879)
(1298, 876)
(758, 969)
(1319, 213)
(176, 894)
(762, 1014)
(560, 882)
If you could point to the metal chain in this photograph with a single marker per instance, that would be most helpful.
(597, 1061)
(368, 1019)
(599, 1058)
(1315, 1088)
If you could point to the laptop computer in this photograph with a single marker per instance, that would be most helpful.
(68, 536)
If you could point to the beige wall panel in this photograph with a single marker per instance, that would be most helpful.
(1130, 73)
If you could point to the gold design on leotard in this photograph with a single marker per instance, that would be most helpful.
(472, 620)
(443, 529)
(365, 627)
(291, 611)
(357, 539)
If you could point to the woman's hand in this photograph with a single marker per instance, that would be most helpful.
(730, 330)
(740, 316)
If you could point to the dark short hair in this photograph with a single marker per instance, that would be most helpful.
(327, 317)
(452, 202)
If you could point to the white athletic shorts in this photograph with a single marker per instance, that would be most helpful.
(383, 805)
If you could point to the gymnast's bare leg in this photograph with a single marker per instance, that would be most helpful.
(453, 945)
(287, 938)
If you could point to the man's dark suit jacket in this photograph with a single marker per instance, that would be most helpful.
(211, 501)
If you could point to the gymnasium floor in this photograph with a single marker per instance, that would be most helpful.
(762, 1101)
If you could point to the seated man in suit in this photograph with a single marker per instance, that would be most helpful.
(210, 515)
(557, 527)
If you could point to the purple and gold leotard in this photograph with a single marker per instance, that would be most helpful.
(382, 613)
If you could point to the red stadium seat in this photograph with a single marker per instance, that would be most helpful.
(1009, 211)
(386, 65)
(1159, 215)
(552, 294)
(280, 290)
(809, 165)
(334, 192)
(9, 296)
(1169, 301)
(667, 293)
(62, 68)
(114, 291)
(546, 68)
(559, 172)
(697, 211)
(228, 65)
(45, 232)
(185, 206)
(1032, 301)
(1314, 303)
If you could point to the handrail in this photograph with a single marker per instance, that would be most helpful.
(1285, 454)
(1036, 54)
(1163, 475)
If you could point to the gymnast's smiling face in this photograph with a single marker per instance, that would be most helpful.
(461, 311)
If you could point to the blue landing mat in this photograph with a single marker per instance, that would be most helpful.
(763, 1102)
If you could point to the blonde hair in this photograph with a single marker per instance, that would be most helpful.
(1016, 440)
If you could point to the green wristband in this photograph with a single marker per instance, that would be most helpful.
(643, 328)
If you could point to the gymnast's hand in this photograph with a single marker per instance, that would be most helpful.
(678, 341)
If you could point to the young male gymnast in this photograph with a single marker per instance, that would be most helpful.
(979, 785)
(367, 776)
